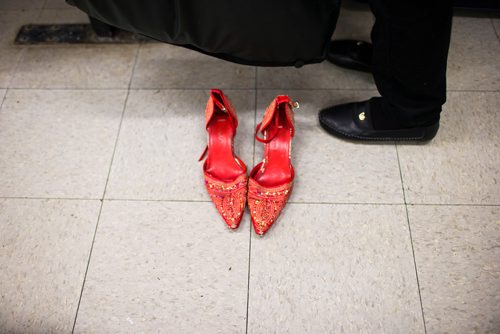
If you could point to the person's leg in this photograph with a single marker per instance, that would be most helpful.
(410, 50)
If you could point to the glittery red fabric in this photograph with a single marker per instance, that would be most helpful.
(266, 204)
(229, 198)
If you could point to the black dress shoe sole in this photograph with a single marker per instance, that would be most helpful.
(421, 134)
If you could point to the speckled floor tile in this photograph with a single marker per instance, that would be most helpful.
(8, 60)
(355, 22)
(57, 143)
(62, 16)
(496, 26)
(315, 76)
(457, 252)
(335, 269)
(473, 61)
(460, 166)
(168, 66)
(11, 22)
(56, 4)
(165, 267)
(21, 4)
(45, 245)
(162, 136)
(328, 169)
(76, 67)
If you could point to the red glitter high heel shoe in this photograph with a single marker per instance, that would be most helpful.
(225, 174)
(271, 181)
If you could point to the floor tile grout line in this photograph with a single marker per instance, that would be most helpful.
(208, 201)
(250, 225)
(19, 60)
(16, 66)
(370, 90)
(235, 89)
(416, 269)
(105, 187)
(49, 198)
(87, 267)
(411, 238)
(125, 88)
(341, 203)
(453, 204)
(494, 28)
(158, 200)
(39, 14)
(3, 98)
(43, 7)
(121, 122)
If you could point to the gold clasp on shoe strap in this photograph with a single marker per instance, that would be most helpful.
(295, 105)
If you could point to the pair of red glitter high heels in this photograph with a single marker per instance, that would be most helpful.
(270, 183)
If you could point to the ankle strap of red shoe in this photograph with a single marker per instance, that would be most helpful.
(267, 139)
(219, 101)
(277, 104)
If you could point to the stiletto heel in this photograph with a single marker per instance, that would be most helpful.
(225, 174)
(271, 181)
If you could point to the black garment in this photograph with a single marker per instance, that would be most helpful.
(410, 50)
(253, 32)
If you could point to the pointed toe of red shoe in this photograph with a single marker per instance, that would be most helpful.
(229, 198)
(265, 204)
(232, 213)
(234, 221)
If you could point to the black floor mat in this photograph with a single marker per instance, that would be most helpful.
(72, 34)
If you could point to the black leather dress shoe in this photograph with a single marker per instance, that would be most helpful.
(353, 121)
(355, 55)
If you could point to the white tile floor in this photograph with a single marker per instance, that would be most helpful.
(105, 226)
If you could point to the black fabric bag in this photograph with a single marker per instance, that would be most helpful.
(251, 32)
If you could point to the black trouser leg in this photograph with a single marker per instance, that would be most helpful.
(410, 49)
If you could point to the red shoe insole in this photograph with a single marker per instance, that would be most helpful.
(221, 163)
(278, 169)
